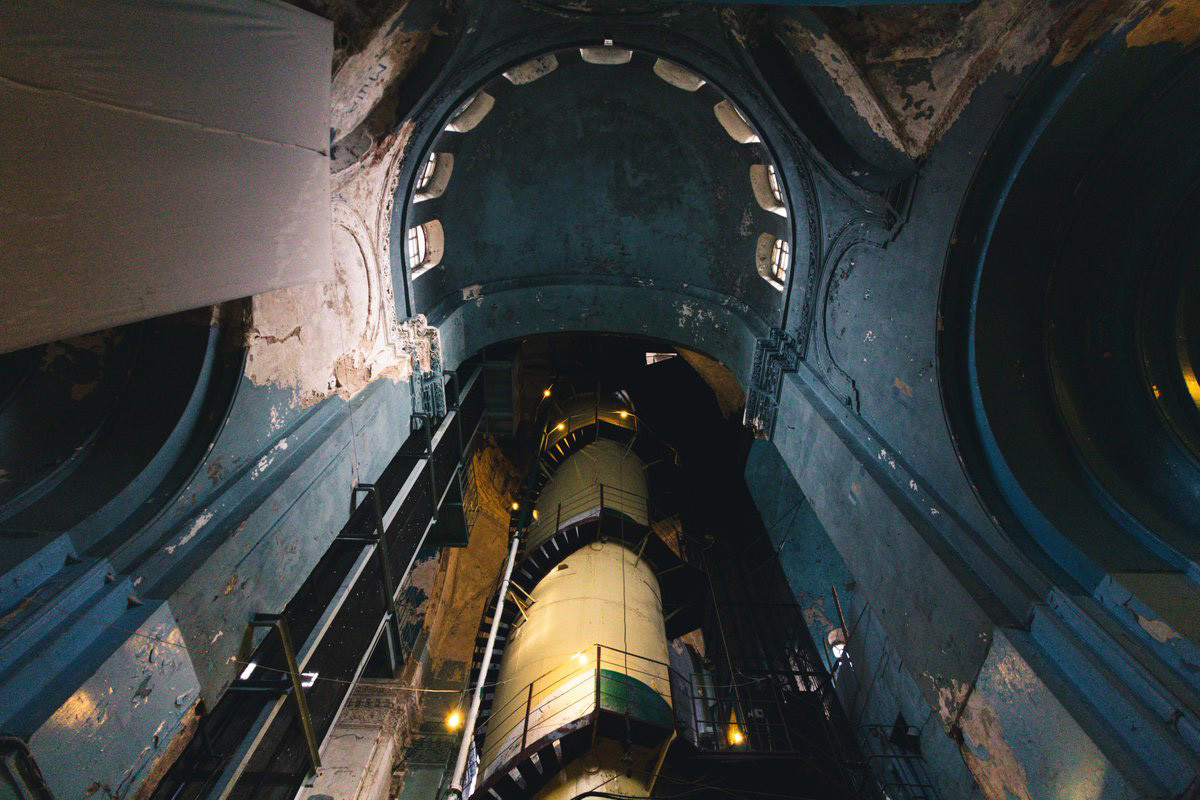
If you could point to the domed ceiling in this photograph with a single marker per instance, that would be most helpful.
(598, 166)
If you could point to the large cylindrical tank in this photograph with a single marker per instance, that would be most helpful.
(603, 472)
(592, 632)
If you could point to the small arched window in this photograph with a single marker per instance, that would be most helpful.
(767, 191)
(433, 177)
(773, 182)
(471, 113)
(772, 258)
(425, 244)
(735, 123)
(416, 246)
(779, 261)
(427, 170)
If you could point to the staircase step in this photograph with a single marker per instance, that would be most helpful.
(63, 644)
(1158, 748)
(43, 611)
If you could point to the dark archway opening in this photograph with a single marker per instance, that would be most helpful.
(1069, 326)
(99, 432)
(750, 646)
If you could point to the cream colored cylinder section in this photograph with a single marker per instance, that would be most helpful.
(600, 595)
(600, 768)
(574, 492)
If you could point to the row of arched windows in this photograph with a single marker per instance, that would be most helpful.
(425, 242)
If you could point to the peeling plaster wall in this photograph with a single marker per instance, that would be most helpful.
(379, 717)
(1004, 724)
(111, 730)
(910, 71)
(943, 589)
(467, 577)
(808, 558)
(873, 684)
(363, 80)
(318, 340)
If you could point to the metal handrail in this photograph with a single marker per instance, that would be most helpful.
(593, 497)
(574, 510)
(610, 413)
(540, 699)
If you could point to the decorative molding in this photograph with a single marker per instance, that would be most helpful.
(423, 343)
(838, 267)
(775, 355)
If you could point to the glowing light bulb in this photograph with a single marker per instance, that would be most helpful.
(560, 426)
(580, 658)
(736, 737)
(545, 392)
(516, 506)
(624, 415)
(454, 720)
(535, 515)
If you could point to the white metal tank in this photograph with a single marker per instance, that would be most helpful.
(603, 471)
(600, 606)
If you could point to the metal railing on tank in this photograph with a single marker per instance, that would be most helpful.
(587, 504)
(598, 679)
(753, 721)
(569, 424)
(585, 410)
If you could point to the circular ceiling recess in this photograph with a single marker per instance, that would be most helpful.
(597, 165)
(1081, 328)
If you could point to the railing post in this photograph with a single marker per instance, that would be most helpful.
(528, 711)
(426, 421)
(395, 641)
(597, 679)
(289, 655)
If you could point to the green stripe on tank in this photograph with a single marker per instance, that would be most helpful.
(621, 693)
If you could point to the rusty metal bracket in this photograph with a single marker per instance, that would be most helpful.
(379, 539)
(453, 382)
(294, 686)
(427, 424)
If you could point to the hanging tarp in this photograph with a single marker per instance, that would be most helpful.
(159, 156)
